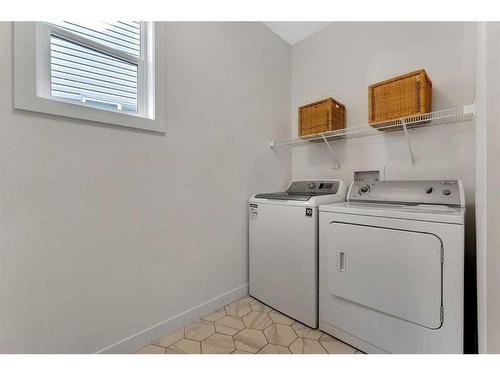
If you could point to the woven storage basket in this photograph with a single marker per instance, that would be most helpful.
(322, 116)
(406, 95)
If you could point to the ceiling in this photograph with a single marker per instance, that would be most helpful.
(294, 32)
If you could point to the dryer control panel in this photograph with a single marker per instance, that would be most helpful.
(434, 192)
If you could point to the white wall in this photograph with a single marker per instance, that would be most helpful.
(493, 181)
(488, 178)
(343, 59)
(481, 135)
(104, 231)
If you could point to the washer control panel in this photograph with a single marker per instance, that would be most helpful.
(439, 192)
(313, 187)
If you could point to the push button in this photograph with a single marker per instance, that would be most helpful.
(446, 192)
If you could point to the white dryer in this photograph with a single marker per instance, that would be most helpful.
(392, 267)
(283, 246)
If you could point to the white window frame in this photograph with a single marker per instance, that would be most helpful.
(32, 82)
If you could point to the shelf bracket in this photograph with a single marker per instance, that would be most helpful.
(336, 164)
(410, 149)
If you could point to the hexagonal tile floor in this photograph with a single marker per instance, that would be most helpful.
(247, 326)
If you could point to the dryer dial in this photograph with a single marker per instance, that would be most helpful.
(364, 190)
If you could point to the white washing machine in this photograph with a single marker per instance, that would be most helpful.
(392, 267)
(283, 246)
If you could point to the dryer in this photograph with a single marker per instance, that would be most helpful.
(283, 249)
(392, 267)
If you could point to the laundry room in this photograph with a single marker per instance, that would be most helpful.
(199, 185)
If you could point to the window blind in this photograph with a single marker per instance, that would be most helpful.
(124, 36)
(89, 76)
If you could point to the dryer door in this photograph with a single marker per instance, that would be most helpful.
(397, 272)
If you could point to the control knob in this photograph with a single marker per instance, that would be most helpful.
(312, 185)
(364, 190)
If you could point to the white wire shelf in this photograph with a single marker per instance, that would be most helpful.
(446, 116)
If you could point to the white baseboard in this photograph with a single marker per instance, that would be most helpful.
(137, 341)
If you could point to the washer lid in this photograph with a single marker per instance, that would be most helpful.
(286, 196)
(424, 212)
(303, 190)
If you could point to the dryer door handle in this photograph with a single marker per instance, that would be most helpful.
(341, 260)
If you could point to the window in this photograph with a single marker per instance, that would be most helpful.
(99, 71)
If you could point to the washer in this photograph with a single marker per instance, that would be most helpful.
(283, 249)
(392, 267)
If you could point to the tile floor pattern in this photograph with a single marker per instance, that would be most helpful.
(247, 326)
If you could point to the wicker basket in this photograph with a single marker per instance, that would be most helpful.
(323, 116)
(406, 95)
